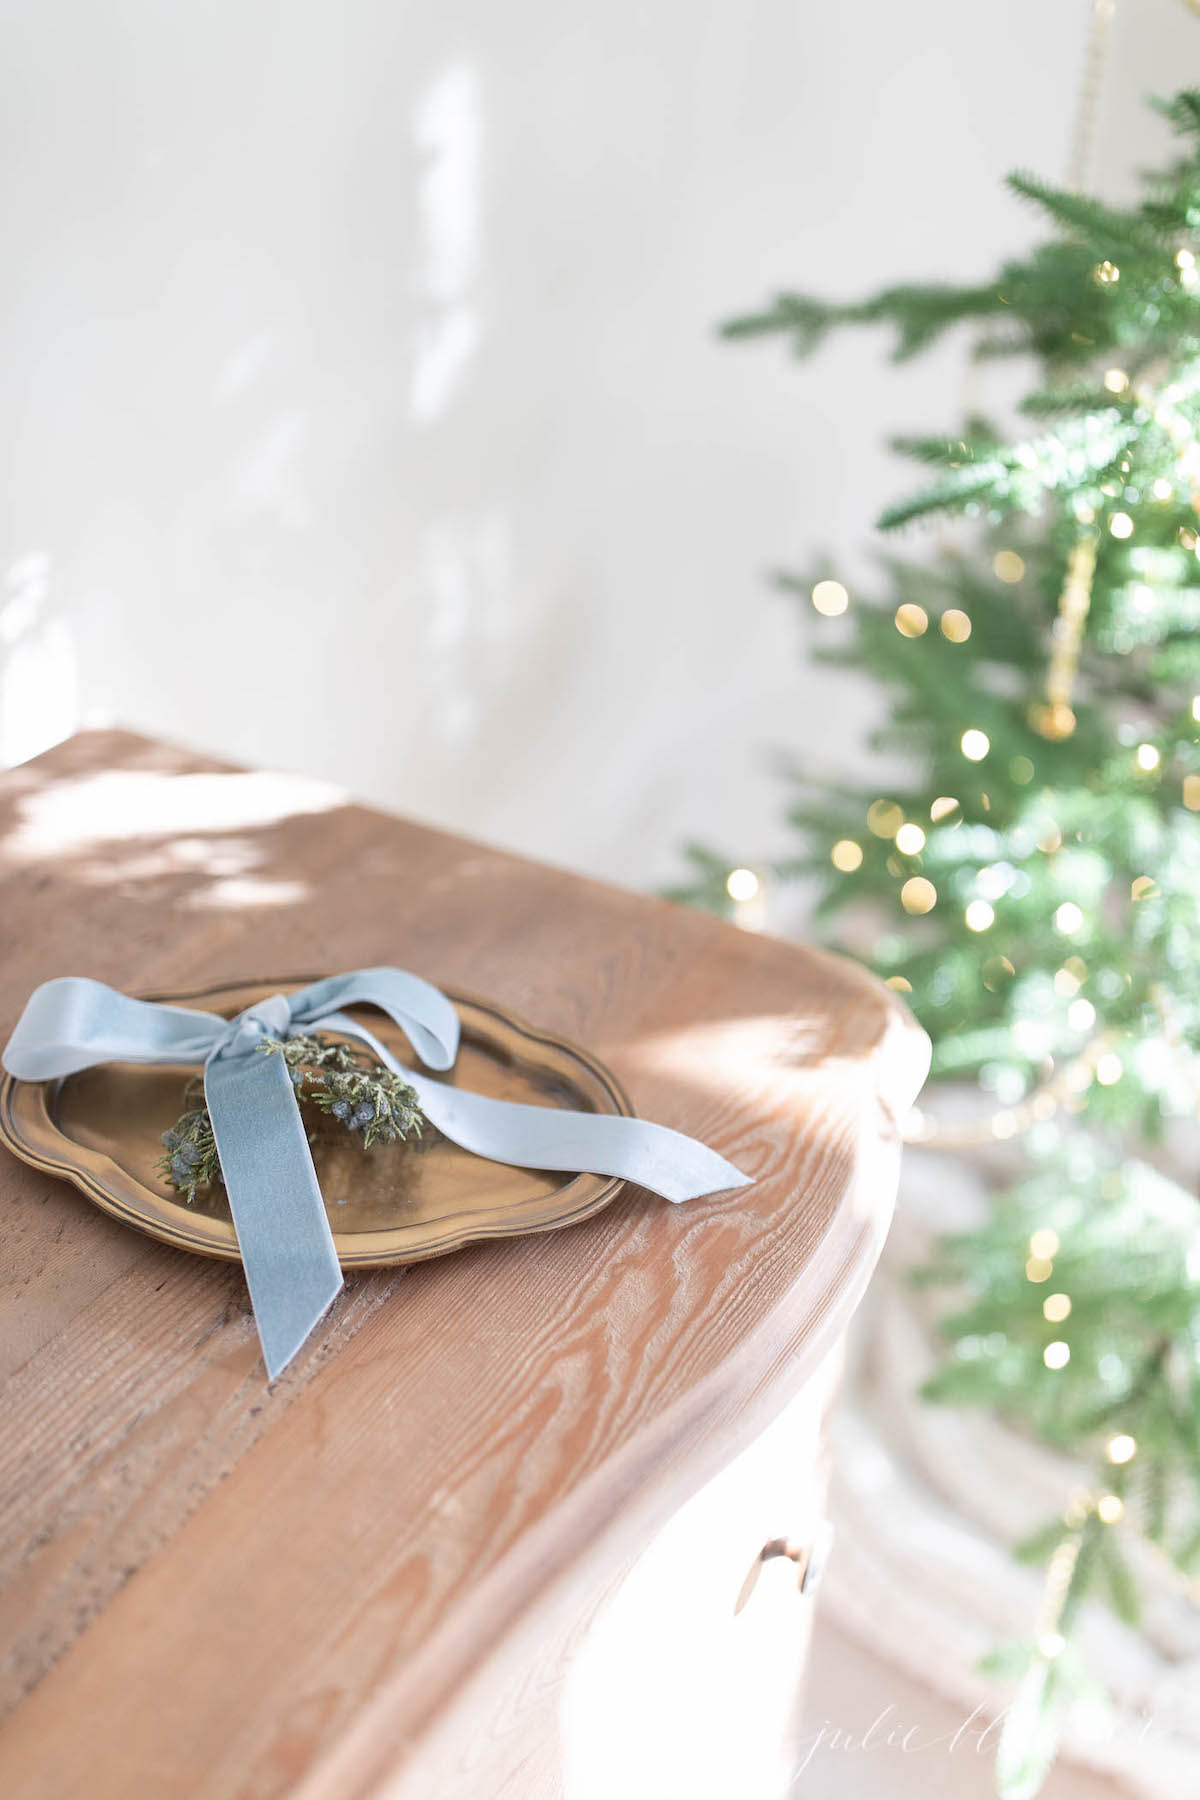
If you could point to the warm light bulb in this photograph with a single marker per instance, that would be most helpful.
(910, 840)
(830, 598)
(1056, 1307)
(884, 818)
(1068, 918)
(956, 626)
(1056, 1355)
(975, 745)
(942, 807)
(1081, 1015)
(741, 884)
(1191, 792)
(911, 621)
(1109, 1069)
(1008, 566)
(1110, 1508)
(900, 983)
(1039, 1268)
(1121, 525)
(846, 855)
(1184, 259)
(1106, 273)
(979, 915)
(1116, 380)
(918, 895)
(1121, 1448)
(1162, 488)
(1044, 1242)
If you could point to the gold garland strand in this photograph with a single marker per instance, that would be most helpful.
(1054, 718)
(1088, 110)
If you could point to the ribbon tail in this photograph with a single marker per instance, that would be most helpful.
(545, 1137)
(282, 1229)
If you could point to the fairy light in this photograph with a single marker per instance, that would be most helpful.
(1121, 1448)
(1141, 887)
(1081, 1015)
(1038, 1268)
(846, 855)
(1008, 566)
(1109, 1069)
(918, 895)
(1147, 757)
(975, 745)
(994, 972)
(911, 621)
(1110, 1508)
(1044, 1242)
(1056, 1308)
(830, 598)
(955, 626)
(1068, 918)
(1121, 525)
(910, 840)
(884, 818)
(1162, 489)
(742, 884)
(1116, 380)
(979, 916)
(942, 807)
(1106, 273)
(899, 983)
(1184, 259)
(1191, 792)
(1057, 1355)
(1066, 983)
(1196, 708)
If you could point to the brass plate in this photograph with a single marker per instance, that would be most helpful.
(393, 1203)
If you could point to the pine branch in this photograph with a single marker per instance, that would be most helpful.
(343, 1080)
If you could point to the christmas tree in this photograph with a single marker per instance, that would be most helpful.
(1036, 871)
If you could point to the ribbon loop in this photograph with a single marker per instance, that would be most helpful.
(275, 1200)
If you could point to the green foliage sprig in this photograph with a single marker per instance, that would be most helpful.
(1033, 891)
(343, 1080)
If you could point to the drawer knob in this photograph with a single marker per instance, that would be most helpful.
(809, 1557)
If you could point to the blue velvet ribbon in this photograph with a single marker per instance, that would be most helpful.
(282, 1229)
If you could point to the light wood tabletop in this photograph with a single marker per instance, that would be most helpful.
(212, 1588)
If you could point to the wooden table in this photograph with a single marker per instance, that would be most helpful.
(485, 1536)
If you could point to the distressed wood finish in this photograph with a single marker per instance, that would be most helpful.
(212, 1589)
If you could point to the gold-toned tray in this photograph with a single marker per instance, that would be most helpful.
(102, 1130)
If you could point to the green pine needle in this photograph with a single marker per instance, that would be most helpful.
(341, 1079)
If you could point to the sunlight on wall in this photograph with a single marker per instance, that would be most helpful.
(39, 676)
(448, 135)
(465, 566)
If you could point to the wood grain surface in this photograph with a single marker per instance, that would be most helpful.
(211, 1588)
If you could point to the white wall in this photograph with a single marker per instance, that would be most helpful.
(360, 410)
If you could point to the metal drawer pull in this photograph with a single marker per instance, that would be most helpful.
(810, 1560)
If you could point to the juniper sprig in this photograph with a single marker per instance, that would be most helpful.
(343, 1080)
